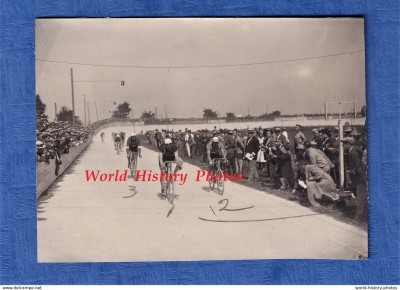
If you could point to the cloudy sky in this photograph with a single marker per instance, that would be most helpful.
(228, 64)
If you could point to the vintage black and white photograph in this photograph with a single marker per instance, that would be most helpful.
(190, 139)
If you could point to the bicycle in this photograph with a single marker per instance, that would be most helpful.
(169, 185)
(133, 162)
(118, 147)
(217, 175)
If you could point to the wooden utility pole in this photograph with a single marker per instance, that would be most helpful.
(97, 116)
(166, 115)
(355, 112)
(73, 98)
(84, 107)
(133, 122)
(88, 111)
(55, 111)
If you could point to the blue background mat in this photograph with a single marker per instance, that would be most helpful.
(17, 149)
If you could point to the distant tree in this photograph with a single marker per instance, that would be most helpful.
(40, 106)
(364, 111)
(122, 111)
(65, 114)
(148, 116)
(275, 113)
(209, 114)
(230, 116)
(78, 121)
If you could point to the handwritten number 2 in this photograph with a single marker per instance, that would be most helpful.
(226, 204)
(231, 209)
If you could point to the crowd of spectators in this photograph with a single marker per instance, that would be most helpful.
(55, 138)
(303, 166)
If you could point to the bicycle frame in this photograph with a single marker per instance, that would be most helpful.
(217, 175)
(169, 185)
(133, 162)
(118, 145)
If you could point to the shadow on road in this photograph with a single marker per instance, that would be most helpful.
(54, 188)
(131, 188)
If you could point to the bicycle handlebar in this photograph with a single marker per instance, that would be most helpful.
(215, 160)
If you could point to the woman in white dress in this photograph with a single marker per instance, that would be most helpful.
(261, 152)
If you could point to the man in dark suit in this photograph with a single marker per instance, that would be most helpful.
(354, 161)
(250, 153)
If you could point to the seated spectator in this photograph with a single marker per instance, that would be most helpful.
(320, 185)
(40, 154)
(317, 157)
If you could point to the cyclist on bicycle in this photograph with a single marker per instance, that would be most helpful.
(122, 134)
(158, 137)
(215, 149)
(132, 148)
(117, 141)
(168, 152)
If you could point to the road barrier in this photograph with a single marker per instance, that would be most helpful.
(45, 173)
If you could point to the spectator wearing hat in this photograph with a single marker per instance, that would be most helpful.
(317, 157)
(251, 148)
(362, 190)
(357, 137)
(197, 140)
(319, 185)
(205, 138)
(284, 168)
(285, 134)
(299, 138)
(280, 139)
(332, 151)
(300, 161)
(269, 147)
(354, 158)
(317, 137)
(347, 131)
(230, 151)
(325, 136)
(40, 154)
(189, 143)
(261, 152)
(239, 150)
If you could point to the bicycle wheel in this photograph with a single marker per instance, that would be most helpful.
(211, 181)
(220, 182)
(171, 195)
(131, 166)
(134, 167)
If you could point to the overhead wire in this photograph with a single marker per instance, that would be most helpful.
(202, 66)
(50, 52)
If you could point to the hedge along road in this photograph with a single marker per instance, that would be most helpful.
(122, 221)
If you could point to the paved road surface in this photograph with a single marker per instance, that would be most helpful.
(80, 221)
